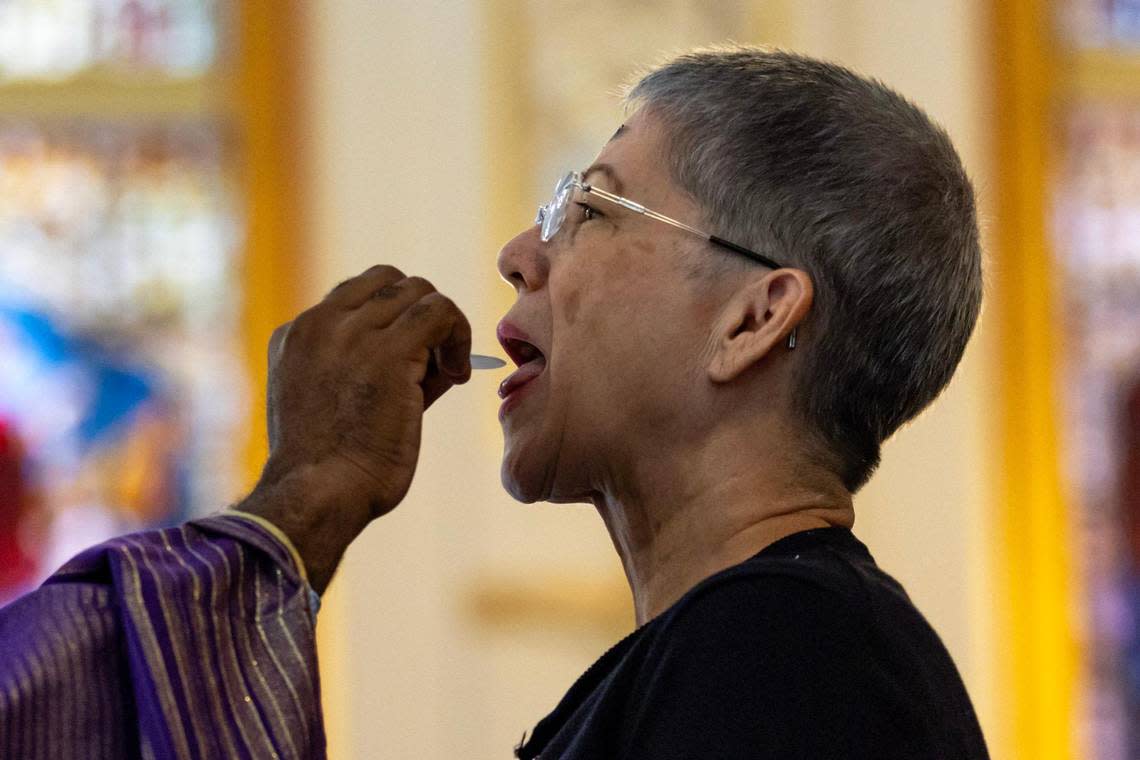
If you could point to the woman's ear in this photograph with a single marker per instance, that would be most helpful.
(757, 320)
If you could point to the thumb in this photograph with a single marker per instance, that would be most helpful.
(435, 382)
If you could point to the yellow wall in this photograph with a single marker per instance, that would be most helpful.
(397, 105)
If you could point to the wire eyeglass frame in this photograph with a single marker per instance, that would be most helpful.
(552, 214)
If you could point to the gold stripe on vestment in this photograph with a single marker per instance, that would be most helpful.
(149, 642)
(273, 655)
(241, 697)
(216, 706)
(281, 728)
(203, 645)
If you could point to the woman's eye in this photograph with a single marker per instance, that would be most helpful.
(588, 212)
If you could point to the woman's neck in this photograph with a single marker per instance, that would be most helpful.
(676, 520)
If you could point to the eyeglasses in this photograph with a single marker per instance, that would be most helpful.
(552, 214)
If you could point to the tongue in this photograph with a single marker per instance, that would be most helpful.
(521, 376)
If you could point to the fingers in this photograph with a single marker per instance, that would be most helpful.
(435, 384)
(391, 300)
(435, 322)
(408, 310)
(354, 293)
(454, 353)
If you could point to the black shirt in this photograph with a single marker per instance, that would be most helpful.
(806, 651)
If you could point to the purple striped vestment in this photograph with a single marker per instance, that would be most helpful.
(191, 642)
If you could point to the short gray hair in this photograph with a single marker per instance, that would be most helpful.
(844, 178)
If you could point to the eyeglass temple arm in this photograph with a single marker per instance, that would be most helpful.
(639, 209)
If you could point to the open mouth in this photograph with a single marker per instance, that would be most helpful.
(530, 360)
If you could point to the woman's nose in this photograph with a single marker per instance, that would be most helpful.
(523, 261)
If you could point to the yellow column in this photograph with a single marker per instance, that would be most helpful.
(267, 104)
(268, 101)
(1041, 657)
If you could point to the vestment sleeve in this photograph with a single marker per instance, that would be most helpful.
(193, 641)
(757, 669)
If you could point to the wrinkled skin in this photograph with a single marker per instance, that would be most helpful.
(349, 380)
(666, 394)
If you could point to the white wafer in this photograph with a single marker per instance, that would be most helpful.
(479, 361)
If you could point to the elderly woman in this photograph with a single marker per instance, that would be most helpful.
(770, 267)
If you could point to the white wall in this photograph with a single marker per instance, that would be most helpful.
(398, 173)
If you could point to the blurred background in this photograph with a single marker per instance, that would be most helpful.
(177, 177)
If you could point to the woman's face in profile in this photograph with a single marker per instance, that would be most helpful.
(625, 329)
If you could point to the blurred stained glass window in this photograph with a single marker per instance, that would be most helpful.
(53, 39)
(1099, 23)
(122, 388)
(1097, 241)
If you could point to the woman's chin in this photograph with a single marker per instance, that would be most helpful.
(522, 485)
(518, 491)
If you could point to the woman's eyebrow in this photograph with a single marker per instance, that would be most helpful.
(607, 170)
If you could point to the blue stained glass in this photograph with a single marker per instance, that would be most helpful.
(121, 383)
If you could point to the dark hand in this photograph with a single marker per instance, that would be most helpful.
(349, 380)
